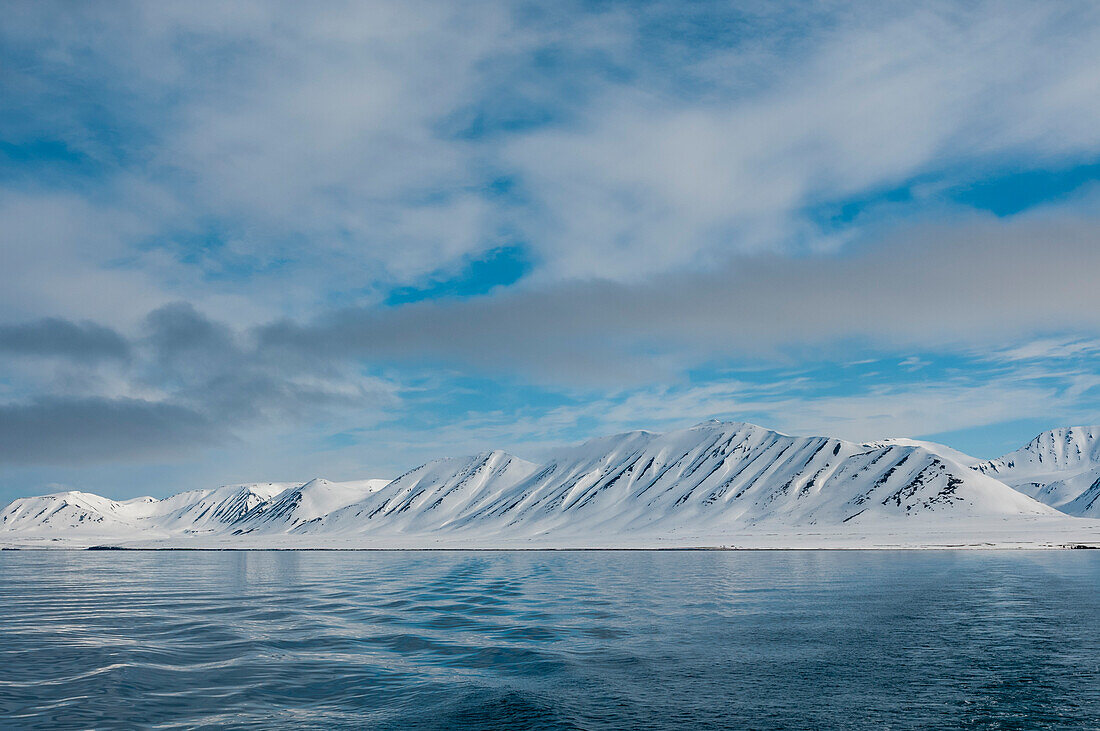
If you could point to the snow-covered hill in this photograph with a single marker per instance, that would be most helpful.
(208, 510)
(715, 478)
(70, 512)
(934, 447)
(303, 504)
(714, 484)
(1060, 467)
(434, 497)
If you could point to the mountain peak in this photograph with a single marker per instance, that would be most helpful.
(1059, 467)
(714, 481)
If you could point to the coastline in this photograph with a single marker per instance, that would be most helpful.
(1022, 534)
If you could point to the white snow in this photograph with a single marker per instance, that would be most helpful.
(934, 447)
(713, 485)
(303, 504)
(1060, 467)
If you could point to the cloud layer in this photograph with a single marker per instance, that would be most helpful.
(274, 158)
(969, 284)
(710, 208)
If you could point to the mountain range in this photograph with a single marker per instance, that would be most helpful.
(717, 484)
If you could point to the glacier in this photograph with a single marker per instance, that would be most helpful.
(714, 485)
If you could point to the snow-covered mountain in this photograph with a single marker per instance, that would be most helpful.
(441, 495)
(713, 484)
(1060, 468)
(68, 512)
(718, 478)
(936, 448)
(192, 511)
(303, 504)
(207, 510)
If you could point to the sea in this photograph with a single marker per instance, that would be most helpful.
(550, 639)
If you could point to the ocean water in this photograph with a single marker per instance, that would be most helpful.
(550, 640)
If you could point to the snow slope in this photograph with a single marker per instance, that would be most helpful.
(715, 484)
(941, 449)
(67, 512)
(303, 504)
(191, 511)
(1060, 467)
(440, 495)
(718, 478)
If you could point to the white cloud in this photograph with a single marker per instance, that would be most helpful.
(787, 403)
(978, 285)
(660, 182)
(652, 181)
(318, 140)
(1048, 348)
(57, 249)
(304, 141)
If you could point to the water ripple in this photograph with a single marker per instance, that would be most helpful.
(556, 640)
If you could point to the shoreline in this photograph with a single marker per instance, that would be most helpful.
(1073, 546)
(1039, 533)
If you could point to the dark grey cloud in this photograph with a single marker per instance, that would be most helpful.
(55, 337)
(178, 328)
(220, 371)
(185, 348)
(973, 285)
(183, 381)
(976, 282)
(659, 162)
(78, 430)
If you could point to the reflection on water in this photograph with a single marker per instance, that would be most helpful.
(555, 640)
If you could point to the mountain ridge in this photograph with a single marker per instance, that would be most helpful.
(717, 481)
(1059, 467)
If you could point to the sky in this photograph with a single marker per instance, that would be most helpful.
(273, 241)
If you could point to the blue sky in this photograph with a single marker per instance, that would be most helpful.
(275, 241)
